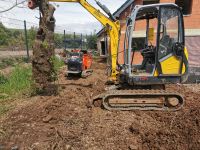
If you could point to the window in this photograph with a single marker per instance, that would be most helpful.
(170, 29)
(138, 43)
(186, 6)
(147, 2)
(141, 38)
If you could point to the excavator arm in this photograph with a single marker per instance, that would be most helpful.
(112, 27)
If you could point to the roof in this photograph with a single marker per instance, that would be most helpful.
(122, 8)
(118, 12)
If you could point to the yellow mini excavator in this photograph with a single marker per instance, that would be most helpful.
(161, 58)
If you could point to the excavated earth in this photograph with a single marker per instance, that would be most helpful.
(66, 122)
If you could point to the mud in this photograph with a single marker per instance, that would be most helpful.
(66, 121)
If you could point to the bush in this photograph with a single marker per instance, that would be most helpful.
(58, 63)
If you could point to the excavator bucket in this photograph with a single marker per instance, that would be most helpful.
(32, 4)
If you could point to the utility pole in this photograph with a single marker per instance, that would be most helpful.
(26, 40)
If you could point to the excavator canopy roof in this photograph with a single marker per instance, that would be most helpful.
(151, 11)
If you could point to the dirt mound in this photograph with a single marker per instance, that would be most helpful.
(66, 122)
(168, 131)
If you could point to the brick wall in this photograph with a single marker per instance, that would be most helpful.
(192, 22)
(122, 19)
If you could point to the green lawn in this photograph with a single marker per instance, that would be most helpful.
(17, 83)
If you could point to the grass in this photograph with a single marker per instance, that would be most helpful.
(3, 79)
(6, 62)
(58, 63)
(3, 109)
(18, 82)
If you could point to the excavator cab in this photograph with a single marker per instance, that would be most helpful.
(154, 47)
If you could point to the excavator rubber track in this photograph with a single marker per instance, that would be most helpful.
(126, 100)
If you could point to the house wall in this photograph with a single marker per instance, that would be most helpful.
(192, 29)
(102, 38)
(99, 48)
(122, 19)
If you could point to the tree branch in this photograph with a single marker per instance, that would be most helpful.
(16, 4)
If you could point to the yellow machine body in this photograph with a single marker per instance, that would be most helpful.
(171, 65)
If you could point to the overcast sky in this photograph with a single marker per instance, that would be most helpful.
(69, 16)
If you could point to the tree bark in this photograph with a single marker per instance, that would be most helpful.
(43, 51)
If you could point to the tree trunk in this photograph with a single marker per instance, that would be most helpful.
(43, 52)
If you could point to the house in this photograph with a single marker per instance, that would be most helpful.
(191, 13)
(121, 14)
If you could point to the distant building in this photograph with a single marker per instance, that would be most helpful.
(191, 11)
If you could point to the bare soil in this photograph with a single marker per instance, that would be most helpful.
(65, 121)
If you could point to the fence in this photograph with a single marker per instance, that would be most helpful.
(17, 40)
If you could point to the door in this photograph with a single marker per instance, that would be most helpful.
(103, 49)
(171, 41)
